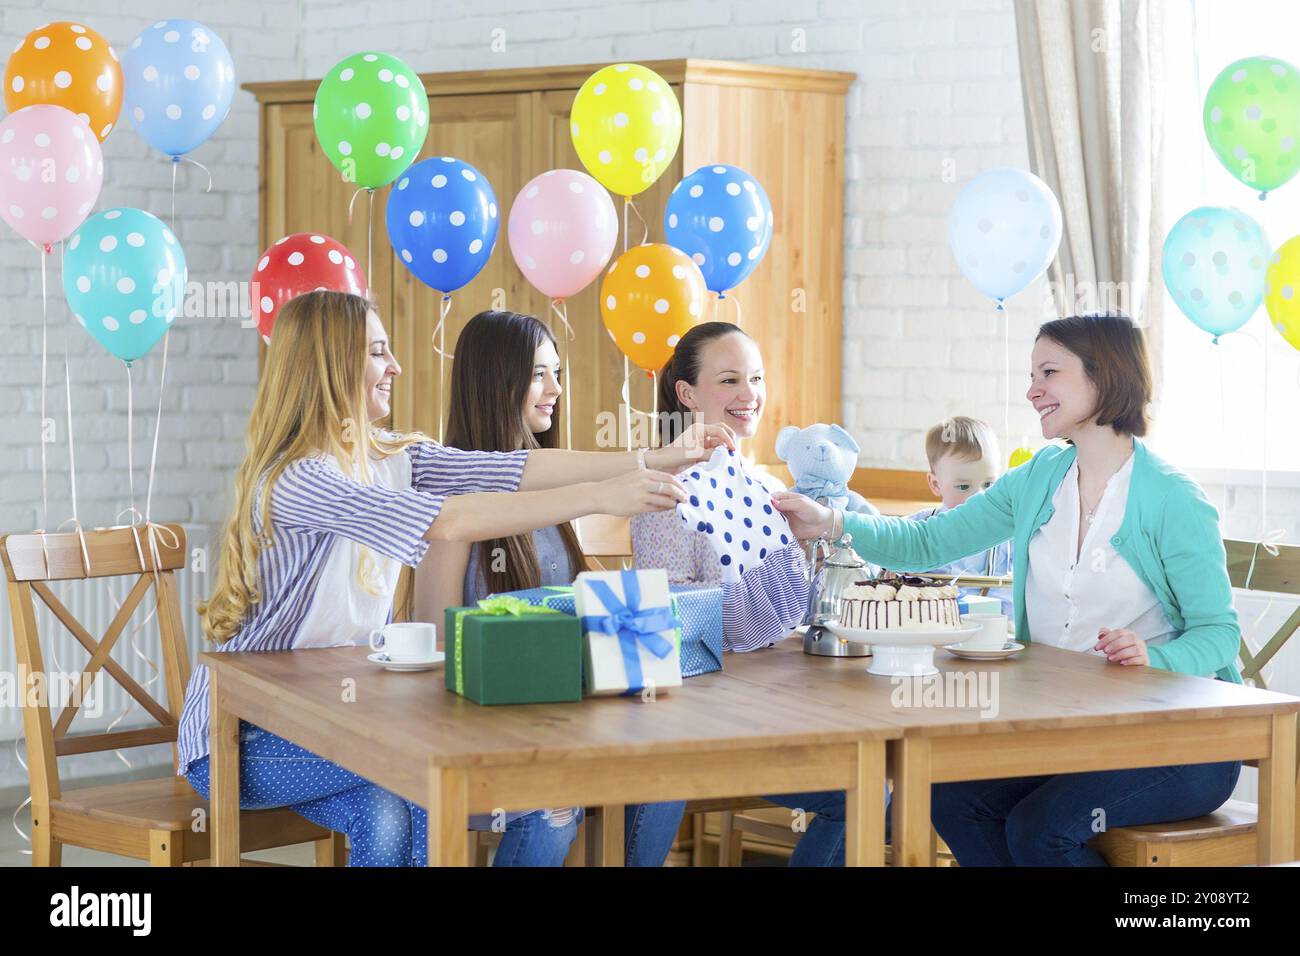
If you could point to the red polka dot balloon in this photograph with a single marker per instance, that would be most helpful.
(302, 262)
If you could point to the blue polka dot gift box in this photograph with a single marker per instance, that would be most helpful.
(735, 511)
(698, 608)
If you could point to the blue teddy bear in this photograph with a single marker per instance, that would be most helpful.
(821, 458)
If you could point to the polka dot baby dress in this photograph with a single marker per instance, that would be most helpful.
(735, 512)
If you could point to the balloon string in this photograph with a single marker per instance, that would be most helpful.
(561, 309)
(157, 427)
(370, 238)
(627, 402)
(45, 492)
(359, 191)
(1223, 432)
(439, 346)
(733, 299)
(130, 436)
(1006, 381)
(72, 451)
(195, 162)
(654, 405)
(645, 234)
(627, 201)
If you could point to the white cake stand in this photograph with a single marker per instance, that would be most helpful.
(900, 653)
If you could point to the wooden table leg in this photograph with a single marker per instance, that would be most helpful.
(223, 766)
(909, 765)
(448, 816)
(864, 808)
(1275, 841)
(611, 847)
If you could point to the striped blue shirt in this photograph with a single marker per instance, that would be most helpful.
(313, 502)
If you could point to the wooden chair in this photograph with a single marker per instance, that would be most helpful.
(162, 820)
(606, 541)
(1225, 837)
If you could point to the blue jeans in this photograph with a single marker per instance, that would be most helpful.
(648, 831)
(823, 843)
(382, 828)
(1048, 820)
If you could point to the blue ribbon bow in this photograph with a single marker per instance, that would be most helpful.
(631, 625)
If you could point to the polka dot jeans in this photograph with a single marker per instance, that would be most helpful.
(382, 828)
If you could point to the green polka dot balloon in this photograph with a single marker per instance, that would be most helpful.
(372, 116)
(1252, 120)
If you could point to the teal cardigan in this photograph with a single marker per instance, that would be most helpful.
(1169, 536)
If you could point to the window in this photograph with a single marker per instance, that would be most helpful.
(1212, 413)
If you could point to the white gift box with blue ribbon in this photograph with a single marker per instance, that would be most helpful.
(631, 631)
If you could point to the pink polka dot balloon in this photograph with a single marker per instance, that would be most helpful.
(562, 231)
(51, 170)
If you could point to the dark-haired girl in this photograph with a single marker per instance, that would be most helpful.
(505, 386)
(716, 376)
(1116, 554)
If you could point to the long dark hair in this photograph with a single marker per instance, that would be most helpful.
(490, 378)
(684, 366)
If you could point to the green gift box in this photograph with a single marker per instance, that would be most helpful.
(505, 651)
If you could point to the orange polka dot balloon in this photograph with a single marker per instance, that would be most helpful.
(69, 65)
(650, 297)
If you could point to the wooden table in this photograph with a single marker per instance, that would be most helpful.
(1057, 712)
(717, 736)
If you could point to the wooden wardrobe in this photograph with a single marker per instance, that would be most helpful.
(784, 126)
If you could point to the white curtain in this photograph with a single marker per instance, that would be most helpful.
(1093, 74)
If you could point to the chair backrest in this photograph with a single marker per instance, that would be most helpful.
(1251, 566)
(33, 560)
(604, 536)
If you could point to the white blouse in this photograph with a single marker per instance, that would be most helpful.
(354, 592)
(1068, 599)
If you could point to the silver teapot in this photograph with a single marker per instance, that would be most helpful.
(840, 567)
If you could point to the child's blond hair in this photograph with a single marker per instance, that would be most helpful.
(967, 438)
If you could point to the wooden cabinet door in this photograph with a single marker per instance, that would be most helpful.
(792, 143)
(593, 363)
(491, 132)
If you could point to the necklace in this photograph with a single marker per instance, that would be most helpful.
(1092, 510)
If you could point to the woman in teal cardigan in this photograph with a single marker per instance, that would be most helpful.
(1116, 553)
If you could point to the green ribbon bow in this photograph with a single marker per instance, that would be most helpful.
(496, 606)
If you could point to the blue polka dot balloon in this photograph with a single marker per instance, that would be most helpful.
(720, 216)
(124, 276)
(732, 509)
(442, 222)
(178, 84)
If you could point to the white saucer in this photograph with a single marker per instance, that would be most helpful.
(382, 659)
(1009, 649)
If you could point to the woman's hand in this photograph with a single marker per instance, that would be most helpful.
(694, 444)
(807, 518)
(1122, 646)
(636, 492)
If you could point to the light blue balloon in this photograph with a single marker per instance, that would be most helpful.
(1004, 229)
(720, 216)
(178, 82)
(124, 275)
(1214, 264)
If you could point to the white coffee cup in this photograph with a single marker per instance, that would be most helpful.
(992, 635)
(414, 641)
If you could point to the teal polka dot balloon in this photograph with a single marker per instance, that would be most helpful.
(124, 276)
(1214, 263)
(1252, 120)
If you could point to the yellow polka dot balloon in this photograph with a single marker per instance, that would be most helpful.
(1282, 291)
(626, 125)
(650, 297)
(69, 65)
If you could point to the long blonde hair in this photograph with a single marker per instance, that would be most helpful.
(311, 400)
